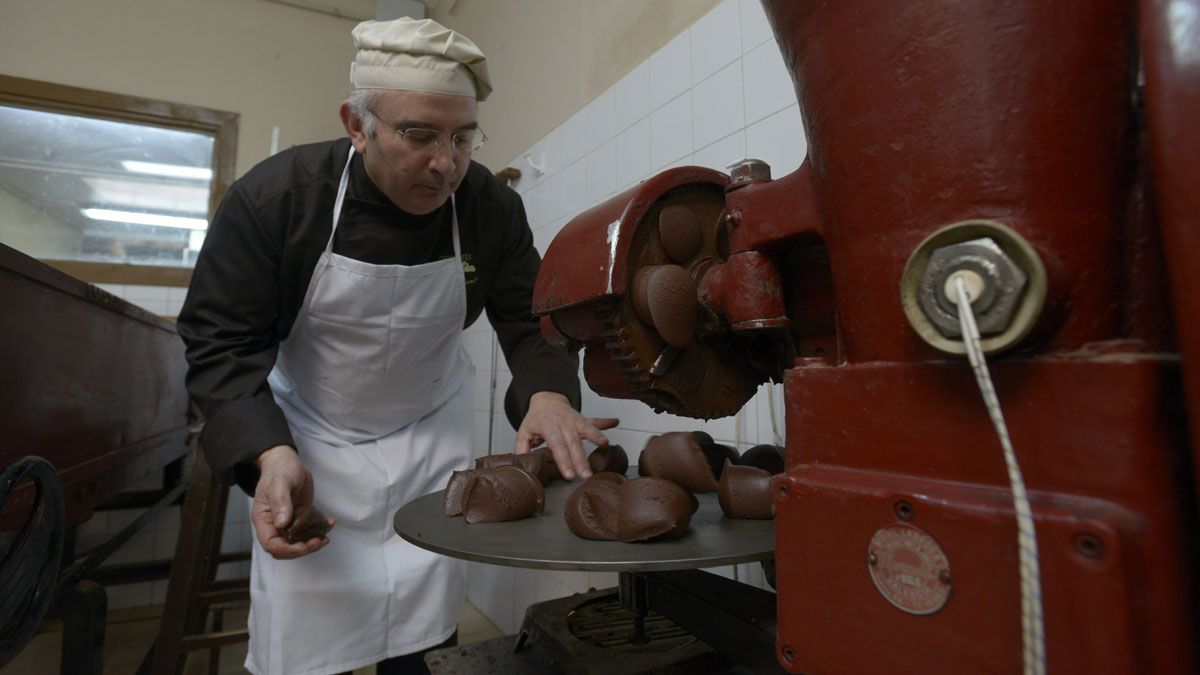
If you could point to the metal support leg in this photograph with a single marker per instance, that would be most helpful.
(84, 608)
(635, 597)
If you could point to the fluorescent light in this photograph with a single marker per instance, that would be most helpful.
(132, 194)
(157, 219)
(172, 170)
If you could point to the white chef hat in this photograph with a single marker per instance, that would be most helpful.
(418, 55)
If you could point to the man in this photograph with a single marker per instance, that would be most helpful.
(323, 329)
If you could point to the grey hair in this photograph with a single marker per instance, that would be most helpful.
(362, 102)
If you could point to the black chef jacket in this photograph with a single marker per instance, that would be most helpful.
(258, 257)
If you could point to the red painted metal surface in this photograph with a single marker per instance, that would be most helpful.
(91, 383)
(919, 115)
(1171, 51)
(588, 260)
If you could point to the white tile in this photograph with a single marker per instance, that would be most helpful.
(574, 190)
(541, 155)
(525, 586)
(147, 292)
(671, 132)
(755, 27)
(116, 289)
(130, 595)
(543, 201)
(600, 580)
(631, 101)
(779, 141)
(572, 141)
(479, 348)
(601, 167)
(96, 526)
(176, 293)
(633, 153)
(768, 84)
(164, 543)
(549, 588)
(721, 154)
(717, 106)
(138, 549)
(716, 40)
(542, 237)
(481, 391)
(600, 116)
(671, 70)
(482, 425)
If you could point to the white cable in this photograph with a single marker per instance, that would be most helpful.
(1032, 623)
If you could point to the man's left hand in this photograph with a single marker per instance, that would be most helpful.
(552, 420)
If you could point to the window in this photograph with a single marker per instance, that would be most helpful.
(110, 188)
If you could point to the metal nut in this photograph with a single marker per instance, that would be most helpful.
(997, 297)
(748, 170)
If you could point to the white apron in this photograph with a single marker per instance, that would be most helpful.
(374, 382)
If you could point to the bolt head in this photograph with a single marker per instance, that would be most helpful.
(748, 170)
(995, 298)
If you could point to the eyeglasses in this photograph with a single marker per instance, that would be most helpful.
(421, 139)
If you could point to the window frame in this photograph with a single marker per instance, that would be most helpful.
(61, 98)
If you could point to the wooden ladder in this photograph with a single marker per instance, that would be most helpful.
(193, 593)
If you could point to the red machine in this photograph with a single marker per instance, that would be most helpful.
(1010, 140)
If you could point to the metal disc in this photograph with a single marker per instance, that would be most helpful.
(545, 542)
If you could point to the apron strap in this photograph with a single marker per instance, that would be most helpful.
(341, 196)
(454, 223)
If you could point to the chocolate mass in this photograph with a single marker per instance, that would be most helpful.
(537, 463)
(592, 508)
(609, 507)
(609, 458)
(677, 457)
(307, 523)
(769, 458)
(493, 495)
(717, 455)
(745, 492)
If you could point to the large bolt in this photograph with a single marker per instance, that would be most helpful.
(748, 170)
(993, 280)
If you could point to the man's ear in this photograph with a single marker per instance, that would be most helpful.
(354, 126)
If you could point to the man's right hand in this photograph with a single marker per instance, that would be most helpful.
(285, 483)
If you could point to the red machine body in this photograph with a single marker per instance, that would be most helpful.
(896, 539)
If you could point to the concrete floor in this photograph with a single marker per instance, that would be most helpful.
(131, 631)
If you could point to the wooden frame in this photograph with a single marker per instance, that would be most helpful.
(223, 126)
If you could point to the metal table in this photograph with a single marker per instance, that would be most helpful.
(545, 541)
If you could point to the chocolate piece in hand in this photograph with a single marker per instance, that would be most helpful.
(677, 457)
(610, 458)
(307, 523)
(745, 492)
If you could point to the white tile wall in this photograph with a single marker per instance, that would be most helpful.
(717, 93)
